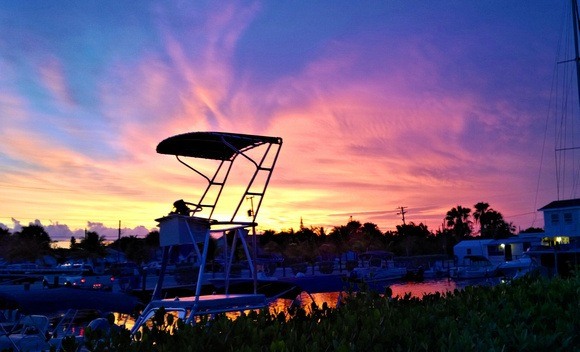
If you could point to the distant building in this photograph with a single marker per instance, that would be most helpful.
(497, 251)
(561, 221)
(559, 247)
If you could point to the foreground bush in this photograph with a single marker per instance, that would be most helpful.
(531, 314)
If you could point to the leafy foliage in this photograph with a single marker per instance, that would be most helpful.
(492, 223)
(92, 246)
(457, 219)
(531, 314)
(28, 244)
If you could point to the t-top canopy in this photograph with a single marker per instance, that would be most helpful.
(212, 145)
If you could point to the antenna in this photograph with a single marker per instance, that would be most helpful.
(251, 210)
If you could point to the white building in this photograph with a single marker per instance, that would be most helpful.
(497, 251)
(561, 222)
(559, 251)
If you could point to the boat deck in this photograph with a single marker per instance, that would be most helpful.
(213, 303)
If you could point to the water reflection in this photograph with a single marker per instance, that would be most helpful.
(305, 300)
(419, 289)
(414, 289)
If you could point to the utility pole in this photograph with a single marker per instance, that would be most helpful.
(402, 212)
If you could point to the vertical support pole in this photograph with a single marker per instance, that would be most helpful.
(159, 285)
(254, 261)
(191, 235)
(226, 260)
(242, 235)
(202, 266)
(230, 262)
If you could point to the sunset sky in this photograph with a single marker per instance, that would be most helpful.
(381, 104)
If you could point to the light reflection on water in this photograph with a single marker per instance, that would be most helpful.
(419, 289)
(414, 289)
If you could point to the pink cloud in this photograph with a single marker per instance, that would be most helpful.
(365, 130)
(52, 77)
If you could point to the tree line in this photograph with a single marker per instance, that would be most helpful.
(409, 239)
(32, 243)
(305, 244)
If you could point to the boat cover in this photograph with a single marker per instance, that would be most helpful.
(44, 301)
(212, 145)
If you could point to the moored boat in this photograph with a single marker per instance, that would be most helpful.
(376, 267)
(38, 333)
(474, 267)
(193, 224)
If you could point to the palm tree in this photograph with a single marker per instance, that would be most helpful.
(491, 222)
(93, 246)
(496, 227)
(481, 215)
(480, 210)
(457, 219)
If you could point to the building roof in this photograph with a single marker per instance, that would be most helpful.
(518, 239)
(567, 203)
(473, 243)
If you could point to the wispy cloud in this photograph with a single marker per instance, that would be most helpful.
(375, 111)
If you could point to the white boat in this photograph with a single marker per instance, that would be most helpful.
(517, 268)
(376, 266)
(474, 267)
(508, 257)
(33, 333)
(438, 269)
(25, 334)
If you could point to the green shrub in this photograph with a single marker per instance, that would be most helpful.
(530, 314)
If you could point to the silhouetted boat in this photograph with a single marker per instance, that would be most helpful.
(193, 223)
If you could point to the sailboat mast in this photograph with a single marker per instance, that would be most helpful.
(577, 58)
(562, 148)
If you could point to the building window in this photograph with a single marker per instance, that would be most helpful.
(568, 218)
(555, 219)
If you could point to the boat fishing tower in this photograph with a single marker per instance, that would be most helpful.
(193, 223)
